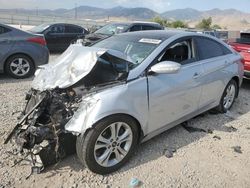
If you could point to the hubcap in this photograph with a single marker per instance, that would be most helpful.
(229, 98)
(19, 66)
(113, 144)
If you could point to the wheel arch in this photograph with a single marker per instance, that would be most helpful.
(139, 127)
(14, 54)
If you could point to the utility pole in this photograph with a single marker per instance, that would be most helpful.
(75, 10)
(36, 11)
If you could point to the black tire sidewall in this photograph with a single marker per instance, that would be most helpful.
(221, 106)
(28, 59)
(87, 145)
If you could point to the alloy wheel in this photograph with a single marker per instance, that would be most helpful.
(113, 144)
(20, 67)
(229, 97)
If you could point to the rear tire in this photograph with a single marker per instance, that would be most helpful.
(228, 97)
(102, 153)
(20, 66)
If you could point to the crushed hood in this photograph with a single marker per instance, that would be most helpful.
(73, 65)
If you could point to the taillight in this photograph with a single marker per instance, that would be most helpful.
(242, 60)
(38, 40)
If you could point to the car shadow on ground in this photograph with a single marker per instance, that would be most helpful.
(5, 79)
(176, 137)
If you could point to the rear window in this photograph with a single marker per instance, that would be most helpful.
(4, 30)
(73, 29)
(245, 35)
(40, 28)
(208, 48)
(244, 38)
(149, 27)
(136, 28)
(112, 29)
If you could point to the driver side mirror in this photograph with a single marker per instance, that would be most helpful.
(166, 67)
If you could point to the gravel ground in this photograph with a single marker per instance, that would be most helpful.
(202, 159)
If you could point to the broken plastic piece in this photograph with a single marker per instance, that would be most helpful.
(168, 153)
(231, 129)
(217, 137)
(36, 170)
(134, 182)
(237, 149)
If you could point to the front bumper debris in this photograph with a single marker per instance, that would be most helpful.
(40, 134)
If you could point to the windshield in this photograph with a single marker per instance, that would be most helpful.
(135, 47)
(39, 28)
(112, 29)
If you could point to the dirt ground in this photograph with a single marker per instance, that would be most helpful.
(202, 158)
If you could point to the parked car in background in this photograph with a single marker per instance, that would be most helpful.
(59, 35)
(21, 52)
(122, 91)
(116, 28)
(222, 35)
(242, 45)
(94, 28)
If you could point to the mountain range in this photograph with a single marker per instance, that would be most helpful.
(229, 18)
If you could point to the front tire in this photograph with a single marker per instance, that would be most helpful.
(228, 97)
(109, 145)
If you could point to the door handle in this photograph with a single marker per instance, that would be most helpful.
(196, 75)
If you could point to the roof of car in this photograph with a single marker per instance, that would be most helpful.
(164, 34)
(58, 23)
(137, 22)
(157, 34)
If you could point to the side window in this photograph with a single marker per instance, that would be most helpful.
(3, 30)
(208, 48)
(57, 29)
(181, 52)
(135, 28)
(73, 29)
(149, 27)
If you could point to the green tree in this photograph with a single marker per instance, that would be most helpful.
(163, 22)
(179, 24)
(216, 26)
(166, 23)
(205, 24)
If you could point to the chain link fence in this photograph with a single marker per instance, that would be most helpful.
(34, 20)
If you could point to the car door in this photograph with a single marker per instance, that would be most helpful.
(5, 42)
(174, 96)
(214, 58)
(55, 37)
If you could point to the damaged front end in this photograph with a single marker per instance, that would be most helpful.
(41, 129)
(58, 91)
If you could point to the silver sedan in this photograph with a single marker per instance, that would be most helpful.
(123, 91)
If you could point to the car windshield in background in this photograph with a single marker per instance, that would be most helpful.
(39, 28)
(136, 48)
(112, 29)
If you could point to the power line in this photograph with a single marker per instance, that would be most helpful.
(75, 10)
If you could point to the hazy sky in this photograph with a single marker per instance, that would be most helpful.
(157, 5)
